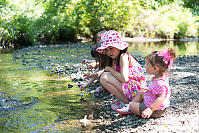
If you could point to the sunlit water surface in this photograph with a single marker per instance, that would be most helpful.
(58, 108)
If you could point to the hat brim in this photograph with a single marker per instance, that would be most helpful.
(120, 46)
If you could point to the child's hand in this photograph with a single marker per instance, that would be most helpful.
(92, 65)
(84, 61)
(108, 69)
(90, 75)
(146, 113)
(83, 87)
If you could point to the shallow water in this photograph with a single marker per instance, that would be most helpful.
(58, 108)
(181, 48)
(56, 102)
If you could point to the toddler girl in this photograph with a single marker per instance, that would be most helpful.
(154, 101)
(126, 77)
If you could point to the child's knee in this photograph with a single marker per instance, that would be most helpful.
(103, 78)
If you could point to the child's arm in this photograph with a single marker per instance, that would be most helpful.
(116, 74)
(97, 73)
(148, 111)
(122, 76)
(85, 61)
(90, 81)
(91, 63)
(92, 77)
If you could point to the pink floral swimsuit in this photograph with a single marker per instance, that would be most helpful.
(136, 80)
(158, 86)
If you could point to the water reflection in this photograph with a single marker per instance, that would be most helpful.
(56, 102)
(182, 48)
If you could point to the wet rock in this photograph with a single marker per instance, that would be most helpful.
(70, 85)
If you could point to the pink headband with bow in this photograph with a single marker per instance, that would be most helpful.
(166, 56)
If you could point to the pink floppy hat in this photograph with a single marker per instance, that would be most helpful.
(111, 38)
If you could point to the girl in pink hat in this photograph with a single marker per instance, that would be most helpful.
(126, 77)
(154, 101)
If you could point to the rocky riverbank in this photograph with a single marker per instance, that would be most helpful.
(181, 116)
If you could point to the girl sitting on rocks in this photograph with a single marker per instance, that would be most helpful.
(125, 77)
(154, 101)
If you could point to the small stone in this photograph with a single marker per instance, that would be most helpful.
(190, 100)
(70, 86)
(196, 111)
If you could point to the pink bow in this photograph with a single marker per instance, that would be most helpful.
(166, 56)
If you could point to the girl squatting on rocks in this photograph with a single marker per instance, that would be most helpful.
(98, 58)
(125, 78)
(99, 63)
(154, 101)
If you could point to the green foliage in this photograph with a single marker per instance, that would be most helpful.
(55, 24)
(180, 21)
(167, 21)
(94, 15)
(23, 31)
(193, 5)
(16, 27)
(17, 32)
(24, 23)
